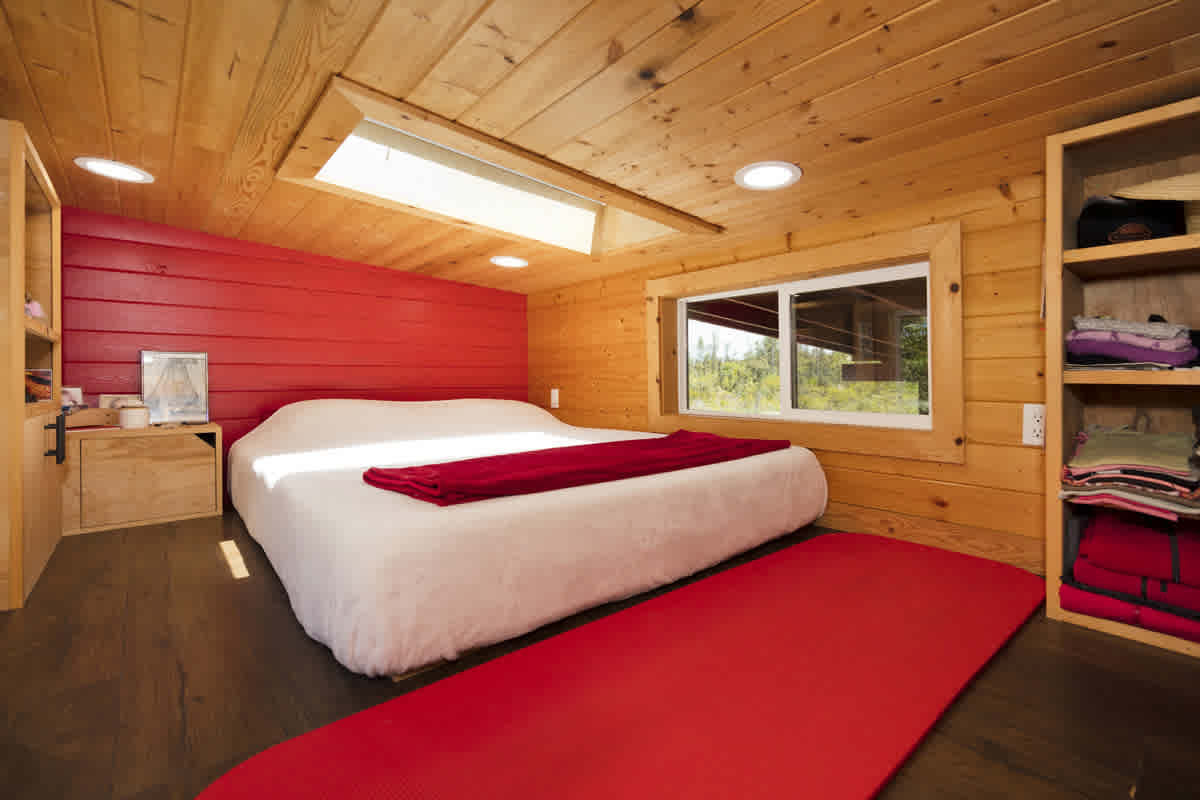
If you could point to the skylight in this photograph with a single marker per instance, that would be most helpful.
(381, 161)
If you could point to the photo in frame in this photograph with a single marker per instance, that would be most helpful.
(175, 386)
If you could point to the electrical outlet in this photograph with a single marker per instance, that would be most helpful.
(554, 398)
(1033, 428)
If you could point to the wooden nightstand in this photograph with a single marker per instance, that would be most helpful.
(121, 478)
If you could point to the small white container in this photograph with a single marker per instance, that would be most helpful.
(135, 417)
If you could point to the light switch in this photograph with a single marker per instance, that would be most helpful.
(554, 398)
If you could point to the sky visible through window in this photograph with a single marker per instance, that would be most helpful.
(386, 163)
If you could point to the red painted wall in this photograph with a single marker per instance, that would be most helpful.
(278, 325)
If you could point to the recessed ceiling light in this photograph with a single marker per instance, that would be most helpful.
(114, 169)
(511, 262)
(764, 176)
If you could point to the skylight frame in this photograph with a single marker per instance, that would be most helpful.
(377, 160)
(629, 219)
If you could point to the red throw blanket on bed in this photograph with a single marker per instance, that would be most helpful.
(561, 467)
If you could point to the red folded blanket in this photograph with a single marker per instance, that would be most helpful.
(1118, 543)
(1097, 605)
(561, 467)
(1154, 590)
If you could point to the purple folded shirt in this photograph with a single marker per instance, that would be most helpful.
(1174, 343)
(1128, 352)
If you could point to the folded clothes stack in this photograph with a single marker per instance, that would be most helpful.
(1102, 342)
(1132, 573)
(1150, 473)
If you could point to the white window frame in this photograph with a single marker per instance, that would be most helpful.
(923, 422)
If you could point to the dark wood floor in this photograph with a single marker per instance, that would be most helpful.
(142, 669)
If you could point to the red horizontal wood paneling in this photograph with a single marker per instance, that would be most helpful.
(279, 326)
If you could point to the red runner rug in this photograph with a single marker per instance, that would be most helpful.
(812, 672)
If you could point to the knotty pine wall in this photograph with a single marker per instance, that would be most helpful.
(589, 340)
(278, 325)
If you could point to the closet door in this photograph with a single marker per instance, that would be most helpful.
(42, 489)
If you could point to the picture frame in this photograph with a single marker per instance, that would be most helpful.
(175, 386)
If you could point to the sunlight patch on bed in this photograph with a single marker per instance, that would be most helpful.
(405, 453)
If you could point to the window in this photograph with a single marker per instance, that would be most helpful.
(857, 350)
(383, 162)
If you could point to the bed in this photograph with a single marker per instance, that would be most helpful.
(390, 583)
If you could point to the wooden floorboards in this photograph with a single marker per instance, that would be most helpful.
(142, 670)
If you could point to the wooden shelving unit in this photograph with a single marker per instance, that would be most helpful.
(1129, 280)
(1132, 377)
(1133, 258)
(40, 330)
(30, 266)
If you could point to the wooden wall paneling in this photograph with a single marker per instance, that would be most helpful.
(118, 347)
(227, 44)
(1018, 469)
(991, 422)
(1012, 247)
(1018, 380)
(18, 101)
(499, 39)
(593, 39)
(990, 63)
(702, 32)
(408, 39)
(1021, 551)
(141, 52)
(1011, 200)
(1002, 293)
(576, 336)
(1006, 336)
(984, 507)
(313, 42)
(58, 46)
(212, 258)
(279, 326)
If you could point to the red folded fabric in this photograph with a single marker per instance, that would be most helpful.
(561, 467)
(1117, 542)
(1097, 605)
(1158, 591)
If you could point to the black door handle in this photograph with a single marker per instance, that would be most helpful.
(60, 439)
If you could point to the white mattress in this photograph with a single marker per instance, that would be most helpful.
(390, 583)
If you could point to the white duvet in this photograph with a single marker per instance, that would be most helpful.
(390, 583)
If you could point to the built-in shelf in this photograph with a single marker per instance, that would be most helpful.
(1131, 258)
(40, 329)
(1133, 377)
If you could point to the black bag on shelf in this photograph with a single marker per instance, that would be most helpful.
(1112, 220)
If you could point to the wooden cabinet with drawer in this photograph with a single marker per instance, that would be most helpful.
(122, 478)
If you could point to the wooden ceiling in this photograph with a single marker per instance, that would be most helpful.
(882, 102)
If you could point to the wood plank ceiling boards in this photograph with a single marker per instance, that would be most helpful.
(882, 102)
